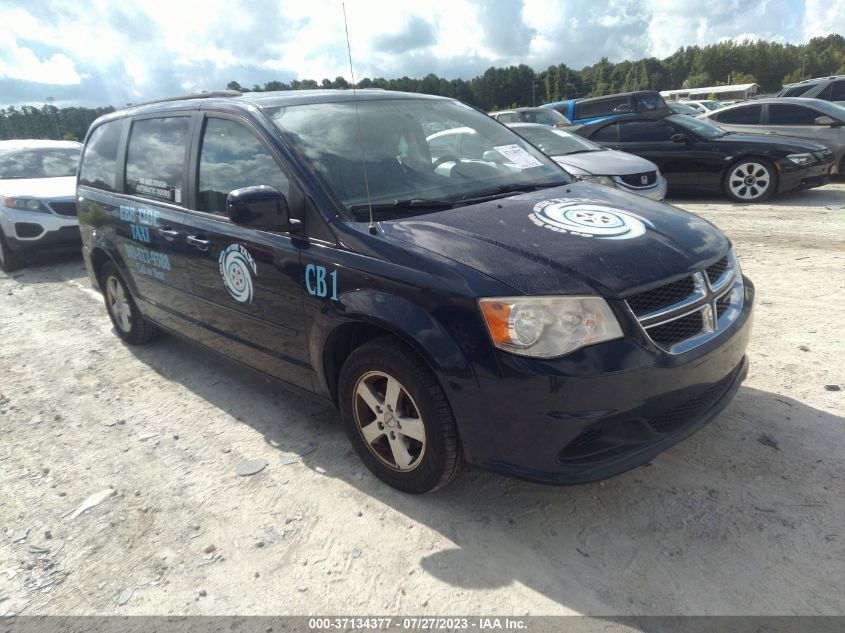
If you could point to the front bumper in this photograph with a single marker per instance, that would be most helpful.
(606, 409)
(26, 230)
(657, 191)
(804, 177)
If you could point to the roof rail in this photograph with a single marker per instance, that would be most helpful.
(196, 95)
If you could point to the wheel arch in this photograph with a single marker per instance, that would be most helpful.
(371, 315)
(99, 258)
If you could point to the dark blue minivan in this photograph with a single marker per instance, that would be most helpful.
(458, 304)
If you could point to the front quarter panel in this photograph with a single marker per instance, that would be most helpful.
(427, 301)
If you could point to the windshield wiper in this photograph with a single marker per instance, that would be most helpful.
(362, 210)
(505, 190)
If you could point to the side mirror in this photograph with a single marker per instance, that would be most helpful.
(829, 121)
(261, 207)
(679, 138)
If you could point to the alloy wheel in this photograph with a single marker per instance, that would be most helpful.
(749, 181)
(389, 421)
(118, 304)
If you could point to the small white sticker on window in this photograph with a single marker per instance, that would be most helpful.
(518, 156)
(177, 195)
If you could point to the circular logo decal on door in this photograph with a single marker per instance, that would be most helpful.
(235, 266)
(588, 220)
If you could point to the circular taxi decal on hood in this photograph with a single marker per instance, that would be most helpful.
(235, 265)
(588, 219)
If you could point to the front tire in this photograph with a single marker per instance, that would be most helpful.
(750, 180)
(10, 261)
(128, 322)
(398, 418)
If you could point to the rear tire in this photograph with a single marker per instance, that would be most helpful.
(128, 322)
(10, 260)
(750, 180)
(398, 418)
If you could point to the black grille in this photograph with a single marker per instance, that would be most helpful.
(583, 444)
(636, 180)
(657, 298)
(678, 330)
(674, 418)
(28, 229)
(722, 304)
(718, 269)
(64, 208)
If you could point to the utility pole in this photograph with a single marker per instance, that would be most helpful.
(533, 91)
(56, 118)
(636, 77)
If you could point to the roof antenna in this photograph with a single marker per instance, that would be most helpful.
(372, 227)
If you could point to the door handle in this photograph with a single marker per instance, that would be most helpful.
(197, 242)
(168, 233)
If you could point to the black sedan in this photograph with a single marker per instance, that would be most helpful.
(694, 155)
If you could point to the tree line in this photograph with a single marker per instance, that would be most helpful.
(49, 122)
(770, 64)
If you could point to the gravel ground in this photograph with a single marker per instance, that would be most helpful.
(745, 517)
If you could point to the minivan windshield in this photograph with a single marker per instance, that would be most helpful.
(419, 154)
(53, 162)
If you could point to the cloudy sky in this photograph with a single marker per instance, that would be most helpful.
(98, 52)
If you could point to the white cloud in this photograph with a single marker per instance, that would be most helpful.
(137, 49)
(18, 62)
(823, 17)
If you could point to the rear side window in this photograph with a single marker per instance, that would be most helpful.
(783, 114)
(99, 162)
(795, 91)
(508, 117)
(745, 115)
(603, 107)
(231, 158)
(155, 163)
(837, 91)
(645, 131)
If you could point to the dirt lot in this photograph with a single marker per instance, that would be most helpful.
(746, 517)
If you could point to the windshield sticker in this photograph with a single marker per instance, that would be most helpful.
(518, 156)
(235, 266)
(588, 220)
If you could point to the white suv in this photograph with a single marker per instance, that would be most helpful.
(37, 197)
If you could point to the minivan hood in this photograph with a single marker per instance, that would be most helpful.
(575, 239)
(606, 163)
(63, 187)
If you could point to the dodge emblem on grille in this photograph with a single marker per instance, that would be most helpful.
(644, 179)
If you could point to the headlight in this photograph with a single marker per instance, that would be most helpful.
(802, 159)
(607, 181)
(545, 327)
(27, 204)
